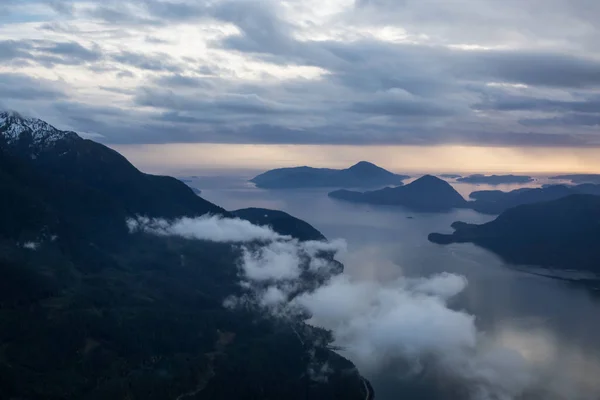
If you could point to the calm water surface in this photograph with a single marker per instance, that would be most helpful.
(553, 323)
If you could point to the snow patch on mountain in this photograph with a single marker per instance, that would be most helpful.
(14, 127)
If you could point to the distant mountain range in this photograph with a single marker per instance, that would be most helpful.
(428, 194)
(495, 179)
(362, 174)
(562, 233)
(90, 310)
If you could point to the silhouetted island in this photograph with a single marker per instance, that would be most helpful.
(495, 179)
(362, 174)
(427, 193)
(562, 233)
(496, 201)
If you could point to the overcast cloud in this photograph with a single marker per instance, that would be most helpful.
(510, 73)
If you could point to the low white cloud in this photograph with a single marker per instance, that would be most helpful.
(443, 285)
(398, 324)
(212, 228)
(31, 245)
(279, 261)
(382, 324)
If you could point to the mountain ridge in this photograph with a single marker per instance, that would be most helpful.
(92, 310)
(15, 128)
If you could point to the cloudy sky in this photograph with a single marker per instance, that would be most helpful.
(512, 75)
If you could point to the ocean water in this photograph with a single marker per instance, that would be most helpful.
(554, 324)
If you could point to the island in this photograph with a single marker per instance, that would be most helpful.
(562, 234)
(362, 174)
(495, 179)
(496, 201)
(426, 194)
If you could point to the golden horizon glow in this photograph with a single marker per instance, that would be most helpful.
(178, 157)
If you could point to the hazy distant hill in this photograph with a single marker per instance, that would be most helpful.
(362, 174)
(495, 179)
(450, 176)
(496, 201)
(562, 233)
(579, 178)
(427, 193)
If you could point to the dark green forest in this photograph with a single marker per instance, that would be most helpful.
(91, 311)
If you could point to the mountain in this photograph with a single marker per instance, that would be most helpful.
(30, 134)
(427, 193)
(496, 201)
(495, 179)
(579, 178)
(65, 155)
(89, 310)
(281, 222)
(562, 233)
(362, 174)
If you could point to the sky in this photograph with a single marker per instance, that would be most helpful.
(493, 83)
